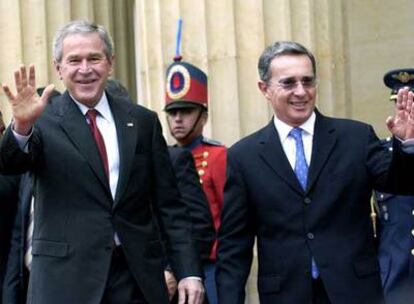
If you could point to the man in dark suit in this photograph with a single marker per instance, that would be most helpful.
(8, 198)
(17, 275)
(396, 221)
(100, 181)
(302, 186)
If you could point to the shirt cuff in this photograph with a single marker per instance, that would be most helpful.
(193, 278)
(22, 140)
(407, 145)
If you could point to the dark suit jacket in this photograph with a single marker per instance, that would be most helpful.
(14, 287)
(8, 203)
(192, 193)
(329, 221)
(76, 217)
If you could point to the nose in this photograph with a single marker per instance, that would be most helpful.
(178, 116)
(84, 66)
(299, 89)
(175, 116)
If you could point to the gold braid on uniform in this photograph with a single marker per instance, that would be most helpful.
(374, 214)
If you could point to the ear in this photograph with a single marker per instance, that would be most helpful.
(264, 88)
(58, 68)
(204, 117)
(111, 62)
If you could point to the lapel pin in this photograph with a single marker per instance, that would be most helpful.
(130, 124)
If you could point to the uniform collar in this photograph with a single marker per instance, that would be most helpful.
(197, 141)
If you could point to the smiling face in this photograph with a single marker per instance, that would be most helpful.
(84, 67)
(291, 90)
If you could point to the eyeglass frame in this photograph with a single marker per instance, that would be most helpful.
(307, 82)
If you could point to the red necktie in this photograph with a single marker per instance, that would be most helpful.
(91, 115)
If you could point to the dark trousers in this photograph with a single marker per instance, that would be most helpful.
(319, 295)
(121, 287)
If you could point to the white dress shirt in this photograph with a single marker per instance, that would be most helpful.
(288, 142)
(107, 127)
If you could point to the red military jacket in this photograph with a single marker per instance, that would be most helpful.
(210, 160)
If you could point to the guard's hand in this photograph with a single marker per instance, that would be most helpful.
(401, 124)
(26, 104)
(190, 291)
(171, 282)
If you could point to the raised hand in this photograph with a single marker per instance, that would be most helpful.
(26, 104)
(401, 124)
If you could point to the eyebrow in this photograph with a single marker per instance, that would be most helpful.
(294, 77)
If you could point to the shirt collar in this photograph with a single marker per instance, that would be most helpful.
(283, 128)
(102, 107)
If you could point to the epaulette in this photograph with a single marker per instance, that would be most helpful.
(211, 142)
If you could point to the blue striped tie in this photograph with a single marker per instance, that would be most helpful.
(301, 171)
(301, 166)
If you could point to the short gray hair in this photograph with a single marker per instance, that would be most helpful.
(81, 27)
(277, 49)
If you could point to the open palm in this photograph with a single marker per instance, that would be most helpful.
(401, 124)
(26, 104)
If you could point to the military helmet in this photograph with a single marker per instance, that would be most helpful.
(186, 86)
(397, 79)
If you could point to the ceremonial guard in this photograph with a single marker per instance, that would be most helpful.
(187, 113)
(395, 229)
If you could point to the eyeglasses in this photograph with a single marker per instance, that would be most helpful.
(289, 84)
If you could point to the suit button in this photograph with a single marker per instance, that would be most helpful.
(412, 251)
(412, 212)
(412, 232)
(310, 235)
(307, 200)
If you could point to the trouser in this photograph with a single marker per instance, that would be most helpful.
(209, 270)
(121, 286)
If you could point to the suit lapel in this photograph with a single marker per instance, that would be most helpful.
(324, 140)
(127, 131)
(75, 126)
(273, 154)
